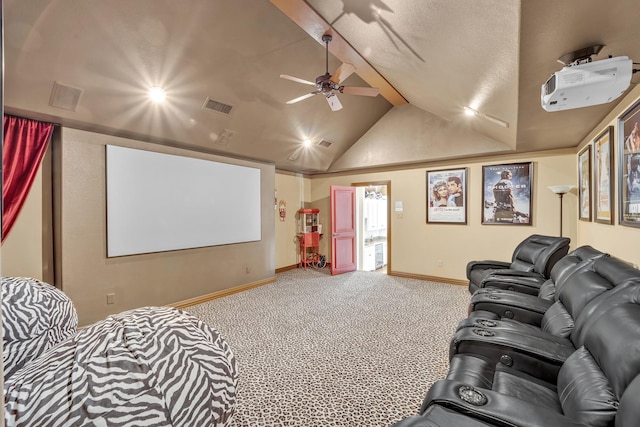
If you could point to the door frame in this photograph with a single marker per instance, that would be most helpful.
(388, 184)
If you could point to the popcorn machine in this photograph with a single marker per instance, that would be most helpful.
(309, 232)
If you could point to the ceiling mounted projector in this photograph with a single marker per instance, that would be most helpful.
(586, 84)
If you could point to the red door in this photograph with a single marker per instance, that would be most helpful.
(343, 229)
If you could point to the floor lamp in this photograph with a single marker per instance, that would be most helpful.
(561, 190)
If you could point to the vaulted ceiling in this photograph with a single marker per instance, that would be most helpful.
(89, 63)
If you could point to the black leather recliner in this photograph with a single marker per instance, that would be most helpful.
(579, 366)
(501, 411)
(494, 304)
(598, 385)
(481, 344)
(533, 258)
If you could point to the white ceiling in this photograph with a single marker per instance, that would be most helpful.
(437, 56)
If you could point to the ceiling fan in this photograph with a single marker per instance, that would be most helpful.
(326, 84)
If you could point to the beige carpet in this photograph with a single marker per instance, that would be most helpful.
(358, 349)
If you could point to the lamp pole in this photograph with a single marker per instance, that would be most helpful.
(560, 195)
(561, 190)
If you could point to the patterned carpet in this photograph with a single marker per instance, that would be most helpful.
(358, 349)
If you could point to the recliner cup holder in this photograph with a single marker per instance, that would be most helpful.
(472, 396)
(482, 332)
(487, 323)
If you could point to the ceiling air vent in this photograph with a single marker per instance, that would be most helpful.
(324, 143)
(65, 96)
(294, 156)
(216, 106)
(225, 137)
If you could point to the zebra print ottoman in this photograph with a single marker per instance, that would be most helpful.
(35, 317)
(153, 366)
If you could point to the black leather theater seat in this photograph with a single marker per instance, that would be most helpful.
(450, 410)
(588, 281)
(542, 350)
(532, 261)
(568, 356)
(494, 303)
(598, 385)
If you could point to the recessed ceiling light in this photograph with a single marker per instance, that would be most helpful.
(306, 142)
(157, 94)
(470, 111)
(473, 112)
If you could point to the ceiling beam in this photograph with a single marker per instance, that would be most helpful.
(309, 20)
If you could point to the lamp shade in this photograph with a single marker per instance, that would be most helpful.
(561, 189)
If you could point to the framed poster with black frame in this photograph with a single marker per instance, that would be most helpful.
(602, 177)
(629, 167)
(447, 196)
(584, 183)
(506, 194)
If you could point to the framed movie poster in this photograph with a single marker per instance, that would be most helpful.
(584, 183)
(602, 177)
(629, 167)
(447, 196)
(506, 194)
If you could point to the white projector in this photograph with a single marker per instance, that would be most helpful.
(591, 83)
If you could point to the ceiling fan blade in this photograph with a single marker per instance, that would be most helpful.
(295, 79)
(343, 71)
(300, 98)
(334, 102)
(364, 91)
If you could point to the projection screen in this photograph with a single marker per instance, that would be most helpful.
(162, 202)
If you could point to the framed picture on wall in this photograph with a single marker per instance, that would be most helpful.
(447, 196)
(506, 194)
(629, 167)
(602, 177)
(584, 183)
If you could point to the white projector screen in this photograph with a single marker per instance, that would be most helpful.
(161, 202)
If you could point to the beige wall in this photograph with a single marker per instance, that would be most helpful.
(28, 249)
(294, 189)
(618, 240)
(416, 247)
(19, 252)
(85, 273)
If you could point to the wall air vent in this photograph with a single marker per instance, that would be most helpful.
(65, 96)
(324, 143)
(216, 106)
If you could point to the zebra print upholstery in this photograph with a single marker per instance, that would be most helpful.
(153, 366)
(35, 317)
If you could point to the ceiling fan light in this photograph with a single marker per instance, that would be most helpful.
(334, 102)
(326, 84)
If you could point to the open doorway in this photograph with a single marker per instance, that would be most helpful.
(372, 225)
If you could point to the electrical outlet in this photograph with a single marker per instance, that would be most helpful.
(439, 263)
(111, 298)
(248, 269)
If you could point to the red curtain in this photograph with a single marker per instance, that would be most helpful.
(25, 142)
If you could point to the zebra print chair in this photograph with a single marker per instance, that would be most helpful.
(153, 366)
(35, 317)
